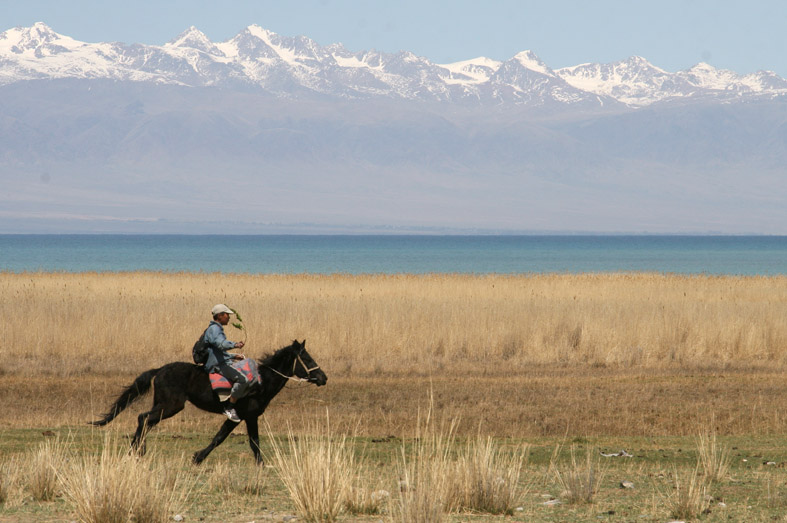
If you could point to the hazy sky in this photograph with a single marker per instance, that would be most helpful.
(744, 36)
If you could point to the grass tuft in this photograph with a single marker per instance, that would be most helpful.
(9, 482)
(245, 478)
(713, 456)
(580, 479)
(424, 471)
(317, 470)
(690, 498)
(41, 469)
(485, 479)
(362, 501)
(117, 486)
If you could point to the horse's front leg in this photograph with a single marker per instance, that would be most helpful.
(220, 436)
(254, 438)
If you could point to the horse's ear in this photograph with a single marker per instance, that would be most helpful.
(303, 344)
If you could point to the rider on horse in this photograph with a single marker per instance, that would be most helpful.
(220, 361)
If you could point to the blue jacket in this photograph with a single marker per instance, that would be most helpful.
(218, 344)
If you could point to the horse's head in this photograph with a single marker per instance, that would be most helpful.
(305, 367)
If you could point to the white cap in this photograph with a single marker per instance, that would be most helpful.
(218, 309)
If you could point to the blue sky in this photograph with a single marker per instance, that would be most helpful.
(744, 36)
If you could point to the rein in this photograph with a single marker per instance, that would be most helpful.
(293, 377)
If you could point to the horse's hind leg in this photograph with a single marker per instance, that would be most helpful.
(148, 420)
(220, 436)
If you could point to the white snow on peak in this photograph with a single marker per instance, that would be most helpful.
(353, 61)
(703, 66)
(763, 81)
(639, 61)
(39, 52)
(41, 26)
(529, 60)
(256, 55)
(481, 61)
(708, 77)
(25, 40)
(260, 32)
(228, 49)
(474, 71)
(231, 49)
(409, 57)
(38, 32)
(277, 43)
(633, 81)
(189, 38)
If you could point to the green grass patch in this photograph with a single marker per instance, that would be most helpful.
(230, 487)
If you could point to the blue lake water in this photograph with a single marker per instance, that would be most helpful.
(744, 255)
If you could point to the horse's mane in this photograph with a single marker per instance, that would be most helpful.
(268, 358)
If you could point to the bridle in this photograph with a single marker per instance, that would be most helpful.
(294, 363)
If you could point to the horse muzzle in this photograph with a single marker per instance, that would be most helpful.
(318, 377)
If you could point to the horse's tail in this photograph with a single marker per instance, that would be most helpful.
(133, 392)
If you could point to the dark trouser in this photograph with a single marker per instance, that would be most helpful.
(240, 383)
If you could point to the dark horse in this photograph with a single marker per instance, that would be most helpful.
(180, 381)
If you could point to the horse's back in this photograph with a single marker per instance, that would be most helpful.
(190, 382)
(182, 376)
(180, 368)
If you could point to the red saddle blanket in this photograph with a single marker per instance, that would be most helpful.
(247, 367)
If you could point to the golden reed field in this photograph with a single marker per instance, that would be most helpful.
(525, 355)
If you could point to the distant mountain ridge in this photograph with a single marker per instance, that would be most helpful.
(293, 67)
(263, 132)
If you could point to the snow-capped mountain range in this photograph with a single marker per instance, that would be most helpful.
(295, 67)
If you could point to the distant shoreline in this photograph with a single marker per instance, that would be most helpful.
(396, 254)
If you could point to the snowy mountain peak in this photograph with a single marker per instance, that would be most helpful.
(193, 38)
(187, 38)
(636, 60)
(529, 60)
(259, 32)
(24, 38)
(35, 42)
(41, 32)
(468, 72)
(708, 77)
(634, 81)
(298, 66)
(703, 67)
(640, 65)
(481, 61)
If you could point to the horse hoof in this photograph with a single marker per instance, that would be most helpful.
(197, 459)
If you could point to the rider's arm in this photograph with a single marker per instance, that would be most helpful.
(215, 337)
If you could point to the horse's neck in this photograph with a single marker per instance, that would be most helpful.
(281, 366)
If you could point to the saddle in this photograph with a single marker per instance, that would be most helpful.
(222, 385)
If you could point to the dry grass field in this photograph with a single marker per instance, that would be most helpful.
(632, 354)
(640, 361)
(70, 324)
